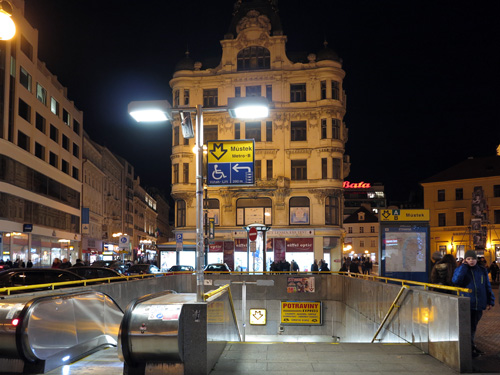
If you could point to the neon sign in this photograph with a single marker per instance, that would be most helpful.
(356, 185)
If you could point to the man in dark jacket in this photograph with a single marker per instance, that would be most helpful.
(473, 276)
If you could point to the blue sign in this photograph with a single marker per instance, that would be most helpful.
(230, 174)
(231, 162)
(178, 238)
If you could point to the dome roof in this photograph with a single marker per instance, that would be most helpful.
(327, 54)
(185, 64)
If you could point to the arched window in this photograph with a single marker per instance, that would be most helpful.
(332, 211)
(181, 213)
(253, 211)
(254, 58)
(299, 210)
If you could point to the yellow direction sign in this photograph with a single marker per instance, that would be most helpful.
(258, 317)
(404, 215)
(231, 162)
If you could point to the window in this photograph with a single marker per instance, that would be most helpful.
(335, 90)
(335, 128)
(65, 142)
(26, 47)
(53, 159)
(460, 218)
(39, 151)
(362, 243)
(297, 92)
(323, 89)
(253, 58)
(251, 211)
(372, 229)
(185, 173)
(75, 173)
(76, 127)
(361, 230)
(176, 98)
(24, 110)
(253, 91)
(237, 92)
(459, 194)
(175, 174)
(496, 216)
(298, 131)
(210, 98)
(269, 93)
(213, 210)
(54, 106)
(332, 211)
(54, 133)
(299, 169)
(299, 210)
(237, 130)
(269, 169)
(372, 243)
(210, 133)
(41, 94)
(324, 168)
(64, 166)
(337, 168)
(40, 122)
(23, 140)
(186, 97)
(252, 130)
(181, 213)
(442, 220)
(66, 117)
(323, 128)
(269, 131)
(25, 79)
(258, 169)
(176, 136)
(76, 150)
(496, 191)
(349, 229)
(441, 196)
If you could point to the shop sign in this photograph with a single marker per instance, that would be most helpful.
(240, 244)
(301, 313)
(356, 185)
(216, 247)
(299, 245)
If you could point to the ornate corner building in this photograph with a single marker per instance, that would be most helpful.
(299, 150)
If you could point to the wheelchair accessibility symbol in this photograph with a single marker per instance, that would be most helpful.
(217, 174)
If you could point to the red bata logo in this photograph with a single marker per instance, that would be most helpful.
(356, 185)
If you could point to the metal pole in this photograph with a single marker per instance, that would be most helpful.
(244, 307)
(200, 278)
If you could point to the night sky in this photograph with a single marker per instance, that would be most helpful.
(422, 77)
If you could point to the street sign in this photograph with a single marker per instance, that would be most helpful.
(124, 242)
(231, 162)
(178, 241)
(252, 234)
(404, 215)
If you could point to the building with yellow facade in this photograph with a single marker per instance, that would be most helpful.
(464, 204)
(299, 149)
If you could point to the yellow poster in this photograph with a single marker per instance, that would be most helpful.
(301, 313)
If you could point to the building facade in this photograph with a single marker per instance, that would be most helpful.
(40, 155)
(359, 194)
(464, 204)
(362, 234)
(299, 150)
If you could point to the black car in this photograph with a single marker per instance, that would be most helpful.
(91, 272)
(142, 269)
(34, 276)
(217, 267)
(116, 265)
(179, 268)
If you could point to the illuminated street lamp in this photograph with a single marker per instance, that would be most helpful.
(7, 26)
(161, 110)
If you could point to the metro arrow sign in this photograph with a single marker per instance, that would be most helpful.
(237, 168)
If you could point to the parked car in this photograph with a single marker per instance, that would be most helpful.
(116, 265)
(179, 268)
(142, 269)
(92, 272)
(217, 267)
(35, 276)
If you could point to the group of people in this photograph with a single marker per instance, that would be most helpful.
(18, 263)
(468, 273)
(362, 265)
(321, 267)
(65, 263)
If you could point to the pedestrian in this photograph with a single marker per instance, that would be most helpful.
(29, 264)
(442, 272)
(65, 263)
(56, 263)
(314, 266)
(473, 276)
(323, 266)
(295, 266)
(78, 263)
(355, 266)
(494, 271)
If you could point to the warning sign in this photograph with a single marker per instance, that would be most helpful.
(301, 313)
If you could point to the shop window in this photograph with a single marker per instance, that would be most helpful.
(299, 210)
(251, 211)
(181, 213)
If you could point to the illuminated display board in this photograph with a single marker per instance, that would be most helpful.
(301, 313)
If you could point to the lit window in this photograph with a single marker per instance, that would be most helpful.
(41, 94)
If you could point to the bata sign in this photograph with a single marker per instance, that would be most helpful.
(356, 185)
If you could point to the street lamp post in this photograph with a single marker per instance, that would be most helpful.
(161, 110)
